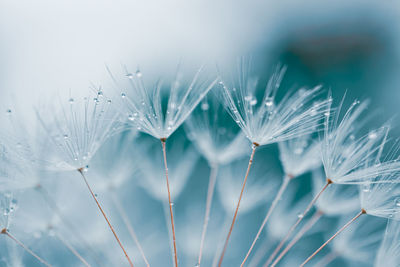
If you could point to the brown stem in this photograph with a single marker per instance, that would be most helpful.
(278, 248)
(210, 193)
(105, 216)
(163, 140)
(238, 204)
(5, 232)
(128, 225)
(336, 234)
(298, 236)
(278, 196)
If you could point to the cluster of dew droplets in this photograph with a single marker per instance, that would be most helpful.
(10, 204)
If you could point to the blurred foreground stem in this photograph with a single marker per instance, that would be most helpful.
(210, 193)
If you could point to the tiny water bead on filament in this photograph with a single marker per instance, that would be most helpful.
(8, 204)
(269, 121)
(345, 158)
(145, 110)
(76, 130)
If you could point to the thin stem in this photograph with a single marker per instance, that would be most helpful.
(128, 225)
(210, 193)
(328, 258)
(298, 236)
(65, 220)
(336, 234)
(169, 201)
(221, 239)
(72, 250)
(238, 204)
(301, 216)
(278, 197)
(260, 253)
(5, 232)
(105, 216)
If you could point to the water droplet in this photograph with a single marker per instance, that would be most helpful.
(269, 102)
(100, 93)
(8, 111)
(253, 102)
(372, 135)
(171, 204)
(397, 202)
(65, 136)
(139, 74)
(95, 195)
(6, 212)
(129, 75)
(366, 188)
(109, 101)
(123, 95)
(248, 98)
(327, 113)
(71, 100)
(300, 215)
(130, 117)
(205, 106)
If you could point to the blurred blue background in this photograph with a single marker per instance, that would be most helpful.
(62, 47)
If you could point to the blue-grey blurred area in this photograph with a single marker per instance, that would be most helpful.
(56, 46)
(63, 47)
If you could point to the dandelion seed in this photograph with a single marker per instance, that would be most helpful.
(294, 116)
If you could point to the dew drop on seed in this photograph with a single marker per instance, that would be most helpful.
(129, 75)
(205, 106)
(269, 102)
(109, 101)
(139, 74)
(326, 114)
(397, 202)
(65, 136)
(366, 188)
(248, 98)
(123, 95)
(300, 215)
(253, 102)
(130, 117)
(71, 100)
(95, 195)
(372, 135)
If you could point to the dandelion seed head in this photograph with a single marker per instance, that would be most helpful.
(272, 121)
(73, 134)
(154, 118)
